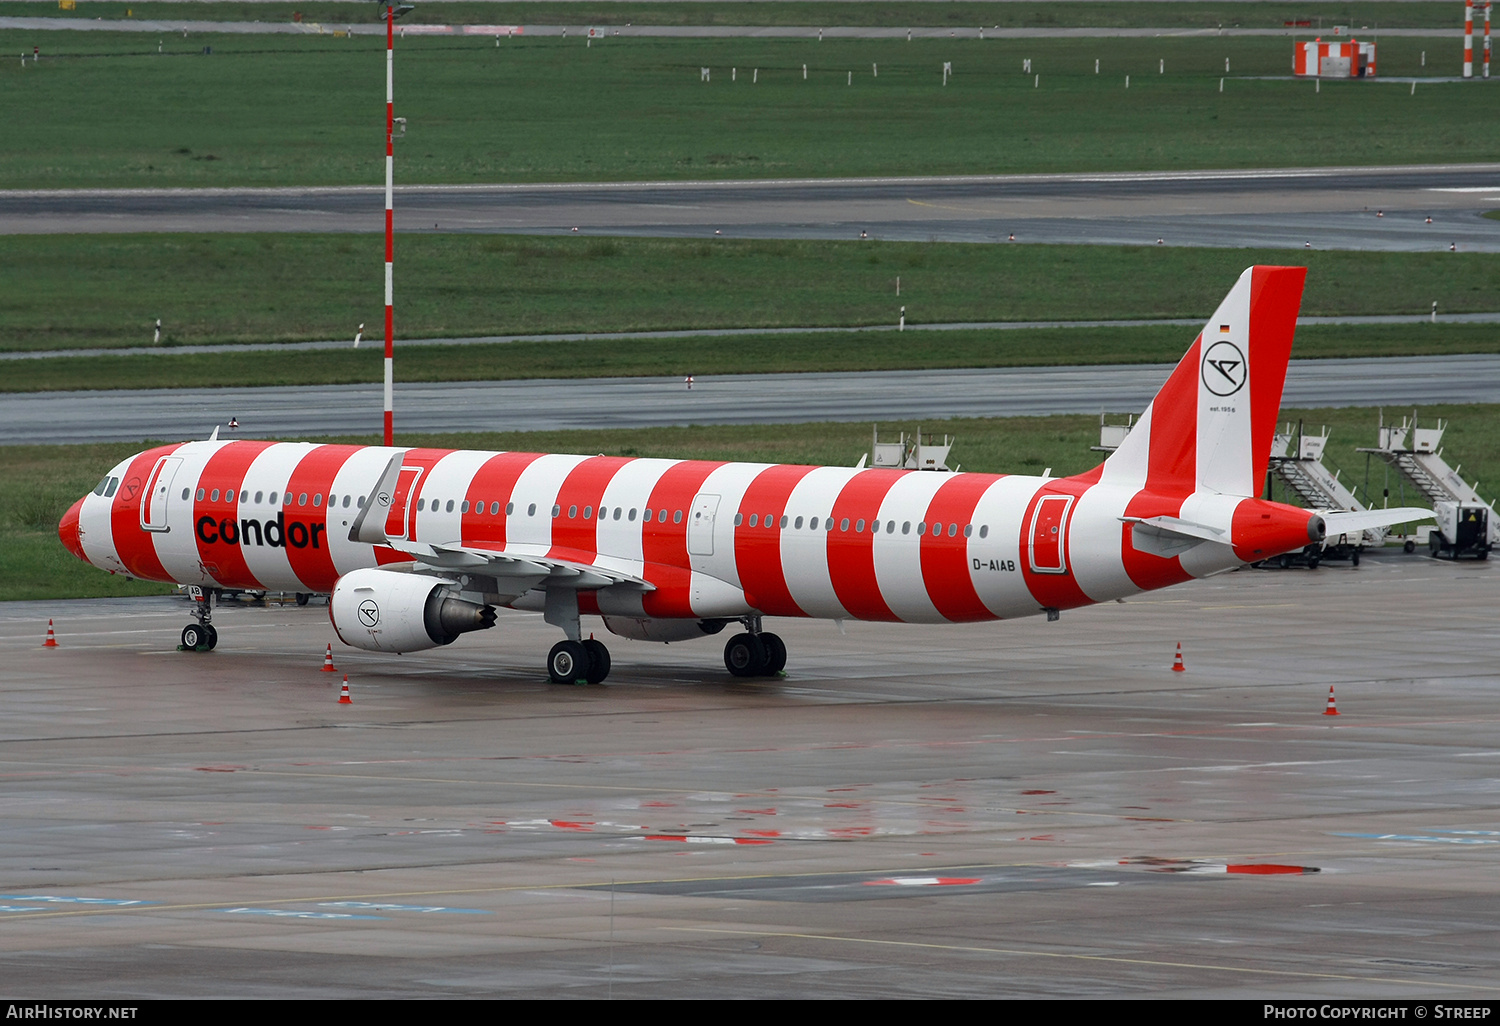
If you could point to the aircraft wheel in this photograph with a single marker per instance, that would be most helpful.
(598, 661)
(1286, 562)
(1354, 558)
(1482, 554)
(775, 654)
(194, 637)
(302, 598)
(568, 662)
(1409, 547)
(1312, 561)
(213, 636)
(745, 656)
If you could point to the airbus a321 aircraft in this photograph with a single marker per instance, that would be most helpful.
(418, 546)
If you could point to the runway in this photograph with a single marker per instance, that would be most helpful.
(533, 405)
(1381, 209)
(1017, 809)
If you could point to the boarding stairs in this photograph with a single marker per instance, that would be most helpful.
(1312, 482)
(1421, 462)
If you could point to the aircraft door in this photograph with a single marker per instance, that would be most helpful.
(700, 537)
(156, 498)
(1049, 526)
(397, 519)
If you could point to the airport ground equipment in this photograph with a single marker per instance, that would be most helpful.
(1297, 459)
(1467, 524)
(913, 454)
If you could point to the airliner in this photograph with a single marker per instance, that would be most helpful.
(417, 546)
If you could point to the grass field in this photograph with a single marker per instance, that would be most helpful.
(1398, 14)
(70, 291)
(104, 109)
(38, 483)
(739, 354)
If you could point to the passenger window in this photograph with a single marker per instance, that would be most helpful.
(906, 527)
(346, 502)
(572, 512)
(531, 510)
(617, 514)
(754, 519)
(556, 511)
(199, 496)
(631, 517)
(921, 529)
(588, 512)
(273, 498)
(317, 498)
(449, 507)
(463, 507)
(258, 497)
(844, 524)
(859, 527)
(968, 530)
(797, 524)
(984, 530)
(813, 524)
(360, 502)
(677, 517)
(421, 505)
(229, 495)
(495, 508)
(952, 530)
(184, 495)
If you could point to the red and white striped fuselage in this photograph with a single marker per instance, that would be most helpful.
(722, 540)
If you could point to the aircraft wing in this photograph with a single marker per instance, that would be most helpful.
(514, 570)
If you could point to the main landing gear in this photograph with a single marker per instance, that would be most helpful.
(578, 662)
(200, 636)
(754, 653)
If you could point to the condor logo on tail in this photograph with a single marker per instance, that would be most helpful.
(1224, 368)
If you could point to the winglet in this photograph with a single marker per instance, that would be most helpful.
(371, 530)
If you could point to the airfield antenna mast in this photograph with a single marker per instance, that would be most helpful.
(390, 223)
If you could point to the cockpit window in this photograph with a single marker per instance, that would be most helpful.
(109, 493)
(103, 484)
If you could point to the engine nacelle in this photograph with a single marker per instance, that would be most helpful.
(384, 611)
(653, 628)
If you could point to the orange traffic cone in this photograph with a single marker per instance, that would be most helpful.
(328, 666)
(51, 641)
(344, 698)
(1333, 706)
(1177, 666)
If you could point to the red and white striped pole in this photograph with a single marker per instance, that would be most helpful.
(1468, 38)
(390, 222)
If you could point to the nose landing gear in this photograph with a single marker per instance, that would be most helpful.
(200, 636)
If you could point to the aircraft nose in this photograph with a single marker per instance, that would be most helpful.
(67, 530)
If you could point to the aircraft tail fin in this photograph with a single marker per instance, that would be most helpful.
(1210, 427)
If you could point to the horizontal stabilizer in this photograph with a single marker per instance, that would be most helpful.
(1170, 536)
(1361, 520)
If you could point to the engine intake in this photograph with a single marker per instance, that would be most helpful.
(385, 611)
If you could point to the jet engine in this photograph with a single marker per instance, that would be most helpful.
(385, 611)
